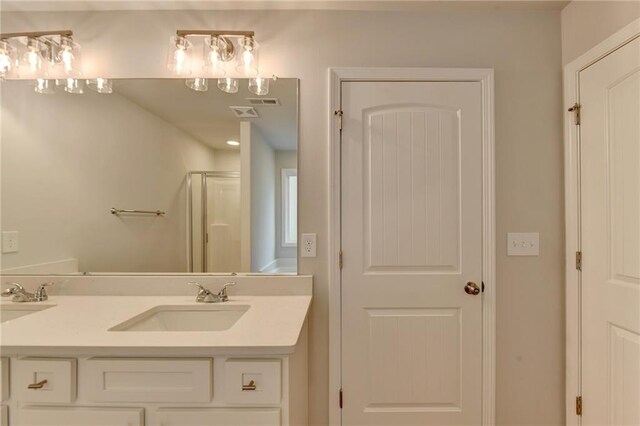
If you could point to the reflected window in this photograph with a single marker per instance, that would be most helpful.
(289, 207)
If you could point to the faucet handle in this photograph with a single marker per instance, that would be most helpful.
(222, 294)
(197, 285)
(41, 293)
(14, 289)
(204, 294)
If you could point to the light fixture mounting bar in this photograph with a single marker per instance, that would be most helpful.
(230, 33)
(37, 34)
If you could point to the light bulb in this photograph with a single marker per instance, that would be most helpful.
(34, 62)
(233, 143)
(44, 87)
(7, 58)
(259, 86)
(198, 84)
(73, 86)
(69, 56)
(178, 59)
(228, 85)
(101, 85)
(248, 59)
(216, 53)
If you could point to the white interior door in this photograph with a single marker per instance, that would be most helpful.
(610, 214)
(411, 241)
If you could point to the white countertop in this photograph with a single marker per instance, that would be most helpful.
(80, 325)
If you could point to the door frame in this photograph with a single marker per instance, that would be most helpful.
(485, 76)
(573, 282)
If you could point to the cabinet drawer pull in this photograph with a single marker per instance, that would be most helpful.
(250, 387)
(38, 385)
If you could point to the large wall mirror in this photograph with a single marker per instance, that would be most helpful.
(152, 178)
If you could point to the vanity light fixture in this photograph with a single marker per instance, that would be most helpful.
(42, 52)
(219, 48)
(233, 143)
(101, 85)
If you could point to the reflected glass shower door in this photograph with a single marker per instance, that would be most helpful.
(214, 221)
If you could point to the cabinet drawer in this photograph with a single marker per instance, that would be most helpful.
(149, 379)
(218, 417)
(81, 416)
(252, 381)
(4, 379)
(45, 379)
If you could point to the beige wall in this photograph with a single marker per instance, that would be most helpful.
(587, 23)
(524, 49)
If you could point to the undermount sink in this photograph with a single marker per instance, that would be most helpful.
(212, 317)
(13, 311)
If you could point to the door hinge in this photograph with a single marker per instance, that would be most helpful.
(578, 405)
(340, 260)
(483, 286)
(575, 109)
(579, 260)
(339, 113)
(340, 400)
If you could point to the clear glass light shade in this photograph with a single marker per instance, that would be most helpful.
(198, 84)
(44, 86)
(8, 56)
(101, 85)
(247, 63)
(179, 56)
(216, 55)
(259, 86)
(228, 85)
(72, 85)
(69, 56)
(34, 61)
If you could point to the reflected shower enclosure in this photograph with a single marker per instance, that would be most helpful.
(213, 215)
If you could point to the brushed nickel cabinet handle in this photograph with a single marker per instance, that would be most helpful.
(250, 387)
(38, 385)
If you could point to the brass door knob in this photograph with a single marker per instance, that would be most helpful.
(472, 288)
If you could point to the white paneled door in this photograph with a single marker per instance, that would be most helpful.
(610, 229)
(412, 252)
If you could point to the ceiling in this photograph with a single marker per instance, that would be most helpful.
(206, 116)
(411, 5)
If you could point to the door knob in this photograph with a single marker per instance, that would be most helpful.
(472, 288)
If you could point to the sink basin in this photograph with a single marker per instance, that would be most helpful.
(185, 318)
(13, 311)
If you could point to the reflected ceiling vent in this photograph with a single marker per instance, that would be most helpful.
(244, 111)
(264, 101)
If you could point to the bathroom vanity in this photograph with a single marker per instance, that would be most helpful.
(157, 359)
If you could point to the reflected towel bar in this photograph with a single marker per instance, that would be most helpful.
(119, 211)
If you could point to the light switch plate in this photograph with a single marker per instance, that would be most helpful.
(308, 245)
(523, 244)
(10, 241)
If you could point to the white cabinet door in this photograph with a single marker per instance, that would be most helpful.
(411, 241)
(149, 379)
(218, 417)
(610, 211)
(80, 416)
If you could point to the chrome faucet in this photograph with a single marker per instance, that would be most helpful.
(21, 295)
(206, 296)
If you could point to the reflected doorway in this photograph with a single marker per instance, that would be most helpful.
(213, 214)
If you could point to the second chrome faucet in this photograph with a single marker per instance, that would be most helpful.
(21, 295)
